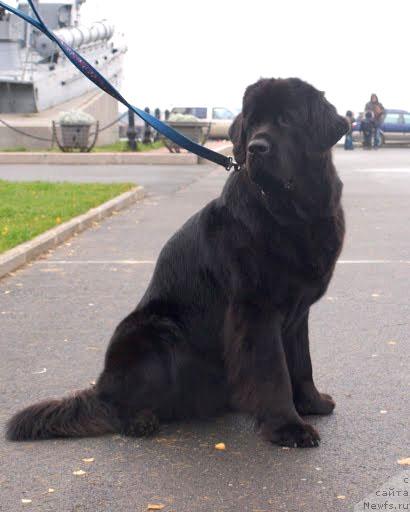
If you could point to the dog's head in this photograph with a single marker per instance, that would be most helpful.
(284, 123)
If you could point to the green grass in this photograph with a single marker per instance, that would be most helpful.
(16, 149)
(122, 146)
(27, 209)
(117, 147)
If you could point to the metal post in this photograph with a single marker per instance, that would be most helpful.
(147, 139)
(157, 114)
(131, 131)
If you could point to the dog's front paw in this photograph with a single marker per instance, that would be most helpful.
(314, 403)
(300, 435)
(144, 424)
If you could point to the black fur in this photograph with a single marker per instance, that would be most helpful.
(225, 318)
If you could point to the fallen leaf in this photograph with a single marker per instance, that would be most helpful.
(375, 295)
(44, 370)
(404, 462)
(24, 500)
(341, 497)
(383, 411)
(152, 506)
(392, 342)
(220, 446)
(90, 459)
(79, 472)
(51, 490)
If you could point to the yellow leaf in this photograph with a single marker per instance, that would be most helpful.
(58, 220)
(220, 446)
(152, 506)
(51, 490)
(90, 459)
(79, 472)
(404, 462)
(341, 497)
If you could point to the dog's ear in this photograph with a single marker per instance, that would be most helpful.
(237, 136)
(325, 125)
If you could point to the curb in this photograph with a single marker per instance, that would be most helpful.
(98, 158)
(38, 158)
(28, 251)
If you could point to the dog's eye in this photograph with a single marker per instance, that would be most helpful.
(284, 121)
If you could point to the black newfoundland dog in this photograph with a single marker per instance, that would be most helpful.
(224, 322)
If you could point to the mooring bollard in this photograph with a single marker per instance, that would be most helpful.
(157, 114)
(131, 132)
(147, 131)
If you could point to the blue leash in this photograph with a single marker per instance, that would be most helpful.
(92, 74)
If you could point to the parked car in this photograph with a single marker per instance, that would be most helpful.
(395, 127)
(220, 118)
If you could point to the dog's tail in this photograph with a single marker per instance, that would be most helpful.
(79, 415)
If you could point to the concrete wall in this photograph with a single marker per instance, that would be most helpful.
(11, 139)
(98, 104)
(105, 109)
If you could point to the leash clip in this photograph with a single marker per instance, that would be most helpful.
(231, 163)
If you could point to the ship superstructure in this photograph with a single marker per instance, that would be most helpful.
(35, 74)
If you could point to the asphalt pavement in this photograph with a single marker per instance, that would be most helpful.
(57, 314)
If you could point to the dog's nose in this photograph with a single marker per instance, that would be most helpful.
(259, 146)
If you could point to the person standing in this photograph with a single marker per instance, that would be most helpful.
(376, 108)
(349, 135)
(368, 129)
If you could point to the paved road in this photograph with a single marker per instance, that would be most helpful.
(57, 315)
(162, 179)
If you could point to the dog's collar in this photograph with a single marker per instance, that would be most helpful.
(288, 186)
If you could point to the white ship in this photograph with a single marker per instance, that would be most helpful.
(35, 75)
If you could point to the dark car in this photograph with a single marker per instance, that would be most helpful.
(395, 127)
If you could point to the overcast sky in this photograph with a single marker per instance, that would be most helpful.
(208, 52)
